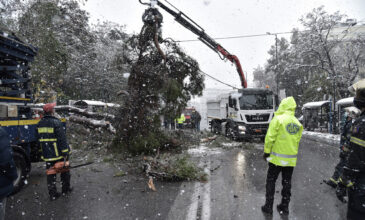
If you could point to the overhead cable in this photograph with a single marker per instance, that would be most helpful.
(206, 74)
(240, 36)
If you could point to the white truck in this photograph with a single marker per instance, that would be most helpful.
(243, 114)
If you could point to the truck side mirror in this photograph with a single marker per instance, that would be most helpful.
(235, 104)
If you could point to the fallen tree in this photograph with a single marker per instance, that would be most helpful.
(92, 123)
(162, 80)
(84, 117)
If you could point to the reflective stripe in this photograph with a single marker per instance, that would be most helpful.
(357, 141)
(52, 159)
(350, 184)
(284, 155)
(46, 130)
(55, 148)
(64, 151)
(333, 180)
(47, 140)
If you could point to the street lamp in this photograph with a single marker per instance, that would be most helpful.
(277, 61)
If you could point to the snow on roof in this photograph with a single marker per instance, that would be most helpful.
(345, 101)
(353, 109)
(112, 105)
(315, 104)
(91, 102)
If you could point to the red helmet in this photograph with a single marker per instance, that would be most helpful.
(49, 107)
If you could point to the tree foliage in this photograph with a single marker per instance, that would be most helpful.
(327, 55)
(74, 60)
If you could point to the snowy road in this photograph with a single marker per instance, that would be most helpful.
(235, 190)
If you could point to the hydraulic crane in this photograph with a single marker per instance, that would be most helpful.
(152, 15)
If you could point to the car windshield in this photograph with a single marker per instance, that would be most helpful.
(256, 101)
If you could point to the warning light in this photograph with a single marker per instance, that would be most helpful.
(267, 86)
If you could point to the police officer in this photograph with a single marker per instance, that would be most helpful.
(52, 139)
(281, 149)
(353, 176)
(180, 121)
(344, 148)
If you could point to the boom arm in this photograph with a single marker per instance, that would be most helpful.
(205, 38)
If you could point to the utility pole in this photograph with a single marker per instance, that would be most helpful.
(276, 61)
(334, 105)
(276, 66)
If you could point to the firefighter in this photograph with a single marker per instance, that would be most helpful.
(344, 148)
(7, 170)
(281, 149)
(352, 180)
(53, 143)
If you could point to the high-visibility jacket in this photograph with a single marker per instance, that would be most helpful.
(181, 119)
(52, 139)
(283, 136)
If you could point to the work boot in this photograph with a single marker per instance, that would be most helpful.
(54, 196)
(331, 182)
(267, 209)
(283, 209)
(67, 191)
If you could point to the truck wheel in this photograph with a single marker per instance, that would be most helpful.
(21, 169)
(230, 133)
(215, 128)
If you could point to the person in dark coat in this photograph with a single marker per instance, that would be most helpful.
(196, 118)
(52, 139)
(352, 180)
(344, 149)
(7, 170)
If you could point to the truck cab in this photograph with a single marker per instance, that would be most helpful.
(248, 113)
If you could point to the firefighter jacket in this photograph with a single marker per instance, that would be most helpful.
(345, 139)
(346, 134)
(52, 138)
(283, 136)
(7, 167)
(354, 171)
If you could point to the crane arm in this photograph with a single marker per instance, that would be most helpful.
(189, 24)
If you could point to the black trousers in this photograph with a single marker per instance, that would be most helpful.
(52, 179)
(272, 175)
(355, 207)
(339, 167)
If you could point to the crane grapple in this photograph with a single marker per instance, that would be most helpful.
(152, 15)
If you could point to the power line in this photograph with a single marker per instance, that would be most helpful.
(218, 80)
(241, 36)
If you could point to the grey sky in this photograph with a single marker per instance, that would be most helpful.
(225, 18)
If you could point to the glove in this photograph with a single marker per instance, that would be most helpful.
(341, 192)
(266, 155)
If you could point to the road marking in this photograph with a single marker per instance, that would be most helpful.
(193, 208)
(206, 195)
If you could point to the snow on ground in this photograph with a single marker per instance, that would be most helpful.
(232, 144)
(322, 137)
(203, 150)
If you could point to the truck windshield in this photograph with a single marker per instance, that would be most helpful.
(256, 101)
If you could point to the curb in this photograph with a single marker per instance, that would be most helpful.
(314, 136)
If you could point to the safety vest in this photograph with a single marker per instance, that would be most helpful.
(283, 136)
(181, 119)
(52, 139)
